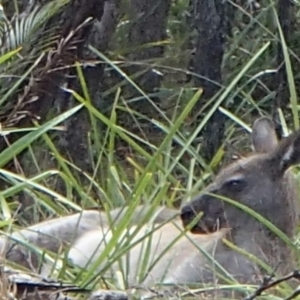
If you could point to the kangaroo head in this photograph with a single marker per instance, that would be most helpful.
(258, 181)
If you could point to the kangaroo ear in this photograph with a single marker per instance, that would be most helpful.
(287, 154)
(264, 137)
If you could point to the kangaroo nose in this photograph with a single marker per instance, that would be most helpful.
(187, 211)
(187, 214)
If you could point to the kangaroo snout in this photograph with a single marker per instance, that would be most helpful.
(205, 214)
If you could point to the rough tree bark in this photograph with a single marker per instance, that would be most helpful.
(285, 19)
(209, 22)
(98, 36)
(148, 25)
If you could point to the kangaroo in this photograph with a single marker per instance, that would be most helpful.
(52, 235)
(261, 181)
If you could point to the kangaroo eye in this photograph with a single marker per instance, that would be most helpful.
(235, 184)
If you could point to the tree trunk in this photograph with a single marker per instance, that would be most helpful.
(209, 20)
(148, 26)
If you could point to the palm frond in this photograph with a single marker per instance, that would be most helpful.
(30, 32)
(25, 28)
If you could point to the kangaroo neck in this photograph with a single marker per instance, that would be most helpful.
(260, 242)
